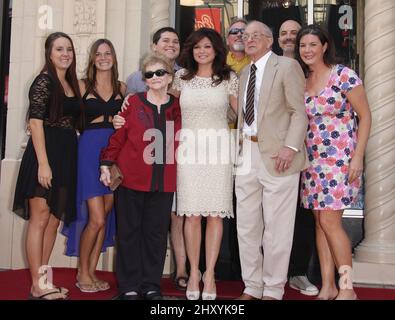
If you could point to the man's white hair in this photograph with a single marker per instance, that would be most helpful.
(265, 29)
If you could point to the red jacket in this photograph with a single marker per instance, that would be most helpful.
(127, 148)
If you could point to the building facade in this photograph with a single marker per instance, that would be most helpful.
(364, 31)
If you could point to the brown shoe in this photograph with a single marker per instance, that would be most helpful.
(246, 296)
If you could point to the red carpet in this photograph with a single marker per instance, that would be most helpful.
(14, 285)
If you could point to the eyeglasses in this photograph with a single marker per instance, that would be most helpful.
(235, 31)
(158, 73)
(253, 36)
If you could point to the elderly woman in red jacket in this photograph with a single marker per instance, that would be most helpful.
(144, 149)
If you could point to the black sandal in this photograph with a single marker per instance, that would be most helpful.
(178, 283)
(46, 295)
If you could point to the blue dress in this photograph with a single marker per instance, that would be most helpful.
(94, 138)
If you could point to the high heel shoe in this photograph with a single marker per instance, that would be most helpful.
(193, 295)
(207, 295)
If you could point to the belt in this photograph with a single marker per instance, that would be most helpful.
(251, 138)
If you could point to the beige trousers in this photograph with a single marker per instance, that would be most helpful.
(266, 208)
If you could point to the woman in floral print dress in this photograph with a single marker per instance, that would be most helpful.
(336, 147)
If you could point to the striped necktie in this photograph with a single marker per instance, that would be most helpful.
(249, 113)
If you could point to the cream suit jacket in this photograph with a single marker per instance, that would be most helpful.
(282, 119)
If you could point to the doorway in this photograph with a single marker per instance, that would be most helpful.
(339, 17)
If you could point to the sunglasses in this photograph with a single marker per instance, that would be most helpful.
(158, 73)
(235, 31)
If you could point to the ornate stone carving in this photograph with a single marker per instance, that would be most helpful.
(82, 46)
(85, 16)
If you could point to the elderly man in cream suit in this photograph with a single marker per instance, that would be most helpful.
(273, 124)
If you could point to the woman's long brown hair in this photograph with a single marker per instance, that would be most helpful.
(90, 79)
(57, 96)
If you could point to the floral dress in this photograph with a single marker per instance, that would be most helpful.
(331, 141)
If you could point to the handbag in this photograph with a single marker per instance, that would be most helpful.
(116, 177)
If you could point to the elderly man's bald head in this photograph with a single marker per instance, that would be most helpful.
(258, 40)
(263, 27)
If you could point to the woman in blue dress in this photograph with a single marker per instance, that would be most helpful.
(94, 230)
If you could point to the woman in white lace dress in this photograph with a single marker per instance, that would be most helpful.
(207, 88)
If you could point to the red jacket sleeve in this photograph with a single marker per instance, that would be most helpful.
(109, 155)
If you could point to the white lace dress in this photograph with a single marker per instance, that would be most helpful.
(204, 170)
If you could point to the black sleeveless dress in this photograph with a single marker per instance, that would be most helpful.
(61, 148)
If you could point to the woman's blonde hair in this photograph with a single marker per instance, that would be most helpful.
(157, 58)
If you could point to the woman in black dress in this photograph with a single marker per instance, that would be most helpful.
(46, 185)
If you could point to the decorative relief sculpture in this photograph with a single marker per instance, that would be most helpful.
(85, 30)
(85, 16)
(82, 45)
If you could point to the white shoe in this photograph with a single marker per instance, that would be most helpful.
(303, 284)
(193, 295)
(209, 296)
(206, 295)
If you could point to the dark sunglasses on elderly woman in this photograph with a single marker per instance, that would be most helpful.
(235, 31)
(158, 73)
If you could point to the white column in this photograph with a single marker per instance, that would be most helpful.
(25, 59)
(129, 26)
(375, 256)
(160, 14)
(310, 11)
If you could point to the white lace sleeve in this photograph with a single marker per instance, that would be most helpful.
(233, 85)
(177, 83)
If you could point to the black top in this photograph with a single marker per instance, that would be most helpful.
(40, 101)
(96, 107)
(61, 145)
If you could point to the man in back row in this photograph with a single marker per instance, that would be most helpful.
(303, 241)
(236, 58)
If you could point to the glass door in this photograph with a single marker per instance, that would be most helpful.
(339, 17)
(274, 12)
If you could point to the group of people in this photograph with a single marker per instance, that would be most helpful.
(58, 177)
(297, 134)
